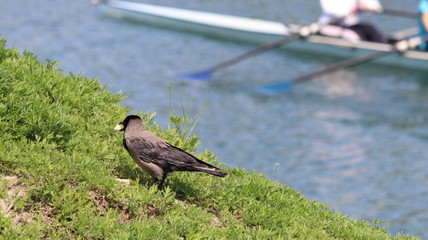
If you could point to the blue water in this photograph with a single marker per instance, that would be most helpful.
(355, 139)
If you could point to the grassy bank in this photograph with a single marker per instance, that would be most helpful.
(60, 158)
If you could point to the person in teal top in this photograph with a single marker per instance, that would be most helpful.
(423, 23)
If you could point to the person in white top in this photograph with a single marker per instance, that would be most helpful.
(339, 19)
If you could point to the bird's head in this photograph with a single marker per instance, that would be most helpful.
(122, 125)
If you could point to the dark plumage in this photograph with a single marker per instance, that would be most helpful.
(157, 157)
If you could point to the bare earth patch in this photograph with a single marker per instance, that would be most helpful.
(12, 192)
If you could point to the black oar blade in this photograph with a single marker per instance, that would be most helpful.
(201, 76)
(273, 89)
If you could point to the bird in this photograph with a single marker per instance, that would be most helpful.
(157, 157)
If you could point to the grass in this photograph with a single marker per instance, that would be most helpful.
(60, 158)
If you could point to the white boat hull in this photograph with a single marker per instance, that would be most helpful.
(255, 31)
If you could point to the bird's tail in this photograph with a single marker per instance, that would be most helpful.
(211, 170)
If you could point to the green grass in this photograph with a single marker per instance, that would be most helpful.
(58, 141)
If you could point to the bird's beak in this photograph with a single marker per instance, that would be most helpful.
(119, 127)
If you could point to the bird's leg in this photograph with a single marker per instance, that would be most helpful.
(154, 180)
(160, 186)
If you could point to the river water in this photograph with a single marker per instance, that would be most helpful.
(355, 139)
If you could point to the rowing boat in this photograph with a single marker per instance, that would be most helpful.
(256, 31)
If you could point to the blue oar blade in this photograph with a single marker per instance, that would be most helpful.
(276, 88)
(200, 76)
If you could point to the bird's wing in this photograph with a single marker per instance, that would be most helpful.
(144, 150)
(177, 157)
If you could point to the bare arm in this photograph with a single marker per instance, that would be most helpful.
(425, 20)
(373, 6)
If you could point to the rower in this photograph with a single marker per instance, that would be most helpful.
(423, 23)
(339, 19)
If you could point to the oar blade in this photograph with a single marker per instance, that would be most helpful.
(201, 76)
(273, 89)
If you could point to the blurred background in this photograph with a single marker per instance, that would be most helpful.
(355, 139)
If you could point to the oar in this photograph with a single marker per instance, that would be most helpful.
(277, 88)
(205, 75)
(401, 13)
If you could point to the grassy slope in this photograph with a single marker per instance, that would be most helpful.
(57, 139)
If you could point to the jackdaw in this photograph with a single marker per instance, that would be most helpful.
(157, 157)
